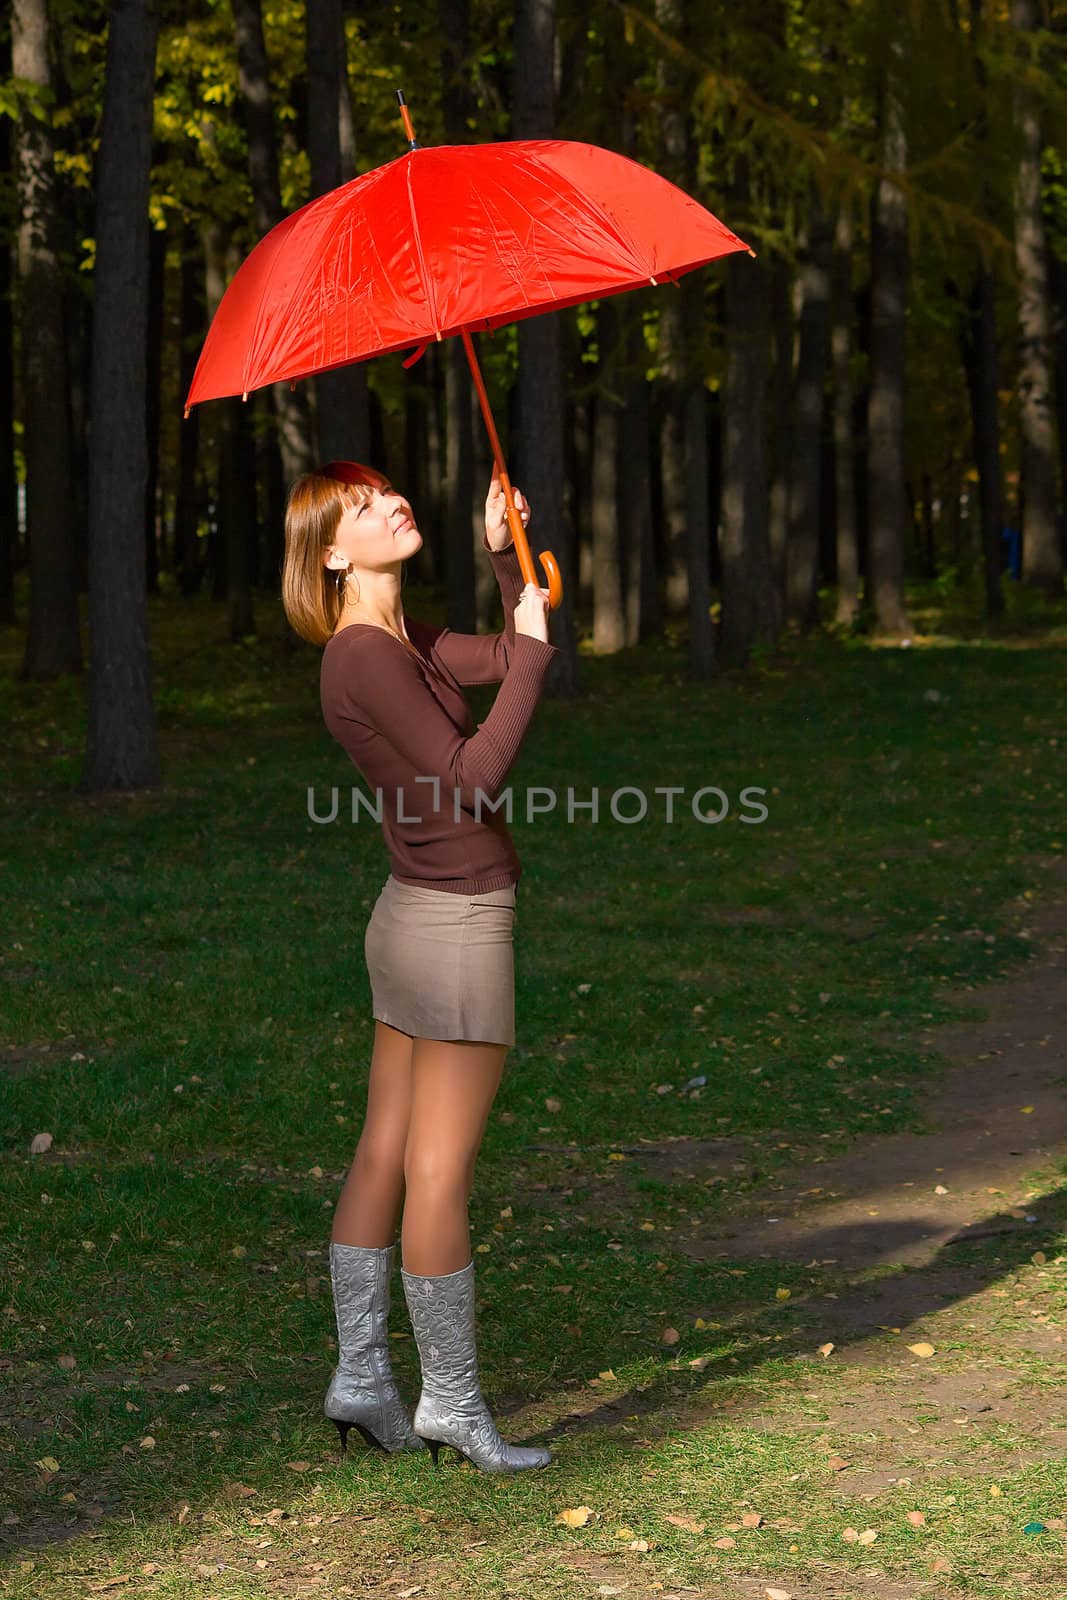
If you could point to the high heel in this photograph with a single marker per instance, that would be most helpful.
(343, 1427)
(452, 1409)
(362, 1391)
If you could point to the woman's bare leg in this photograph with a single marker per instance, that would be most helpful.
(369, 1204)
(454, 1083)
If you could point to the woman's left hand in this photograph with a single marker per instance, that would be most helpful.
(497, 532)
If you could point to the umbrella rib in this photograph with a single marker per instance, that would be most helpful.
(430, 301)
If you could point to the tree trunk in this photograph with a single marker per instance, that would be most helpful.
(848, 562)
(539, 464)
(343, 405)
(122, 749)
(805, 480)
(236, 486)
(157, 257)
(1042, 564)
(749, 611)
(979, 355)
(53, 637)
(673, 90)
(290, 409)
(187, 563)
(781, 438)
(609, 622)
(462, 531)
(634, 479)
(9, 518)
(888, 508)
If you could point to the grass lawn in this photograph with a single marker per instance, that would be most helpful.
(185, 1009)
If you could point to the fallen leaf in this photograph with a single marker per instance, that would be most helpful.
(917, 1519)
(299, 1466)
(638, 1544)
(824, 1349)
(782, 1294)
(752, 1519)
(625, 1533)
(777, 1594)
(575, 1516)
(687, 1523)
(148, 1443)
(725, 1543)
(921, 1349)
(40, 1143)
(868, 1536)
(670, 1336)
(68, 1363)
(47, 1464)
(838, 1464)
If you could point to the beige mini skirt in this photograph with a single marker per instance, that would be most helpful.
(442, 965)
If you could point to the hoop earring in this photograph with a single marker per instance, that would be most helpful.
(342, 588)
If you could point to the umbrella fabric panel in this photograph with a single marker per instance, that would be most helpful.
(445, 239)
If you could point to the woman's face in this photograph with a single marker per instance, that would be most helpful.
(380, 531)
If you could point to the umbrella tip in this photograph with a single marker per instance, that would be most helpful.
(413, 143)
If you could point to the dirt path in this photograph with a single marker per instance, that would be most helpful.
(879, 1203)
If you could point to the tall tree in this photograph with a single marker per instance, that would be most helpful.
(978, 340)
(609, 619)
(122, 750)
(236, 479)
(460, 525)
(9, 522)
(749, 605)
(1042, 563)
(848, 569)
(540, 456)
(53, 638)
(887, 495)
(683, 362)
(290, 408)
(343, 406)
(805, 468)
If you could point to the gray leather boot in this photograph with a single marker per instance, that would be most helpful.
(362, 1390)
(451, 1408)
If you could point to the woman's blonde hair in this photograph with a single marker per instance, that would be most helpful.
(314, 507)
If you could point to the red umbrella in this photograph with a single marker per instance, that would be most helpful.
(446, 241)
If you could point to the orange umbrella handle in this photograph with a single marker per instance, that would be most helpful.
(518, 532)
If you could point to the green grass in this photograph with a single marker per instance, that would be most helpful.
(185, 1009)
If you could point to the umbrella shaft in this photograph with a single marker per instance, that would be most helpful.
(518, 532)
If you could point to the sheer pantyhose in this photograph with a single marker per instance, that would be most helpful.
(428, 1102)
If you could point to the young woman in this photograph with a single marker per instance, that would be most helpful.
(438, 944)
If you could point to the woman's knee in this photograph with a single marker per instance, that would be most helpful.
(379, 1157)
(438, 1173)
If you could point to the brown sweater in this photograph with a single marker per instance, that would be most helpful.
(400, 718)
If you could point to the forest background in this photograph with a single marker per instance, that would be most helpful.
(778, 443)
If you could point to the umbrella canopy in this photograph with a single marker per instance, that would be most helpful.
(446, 240)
